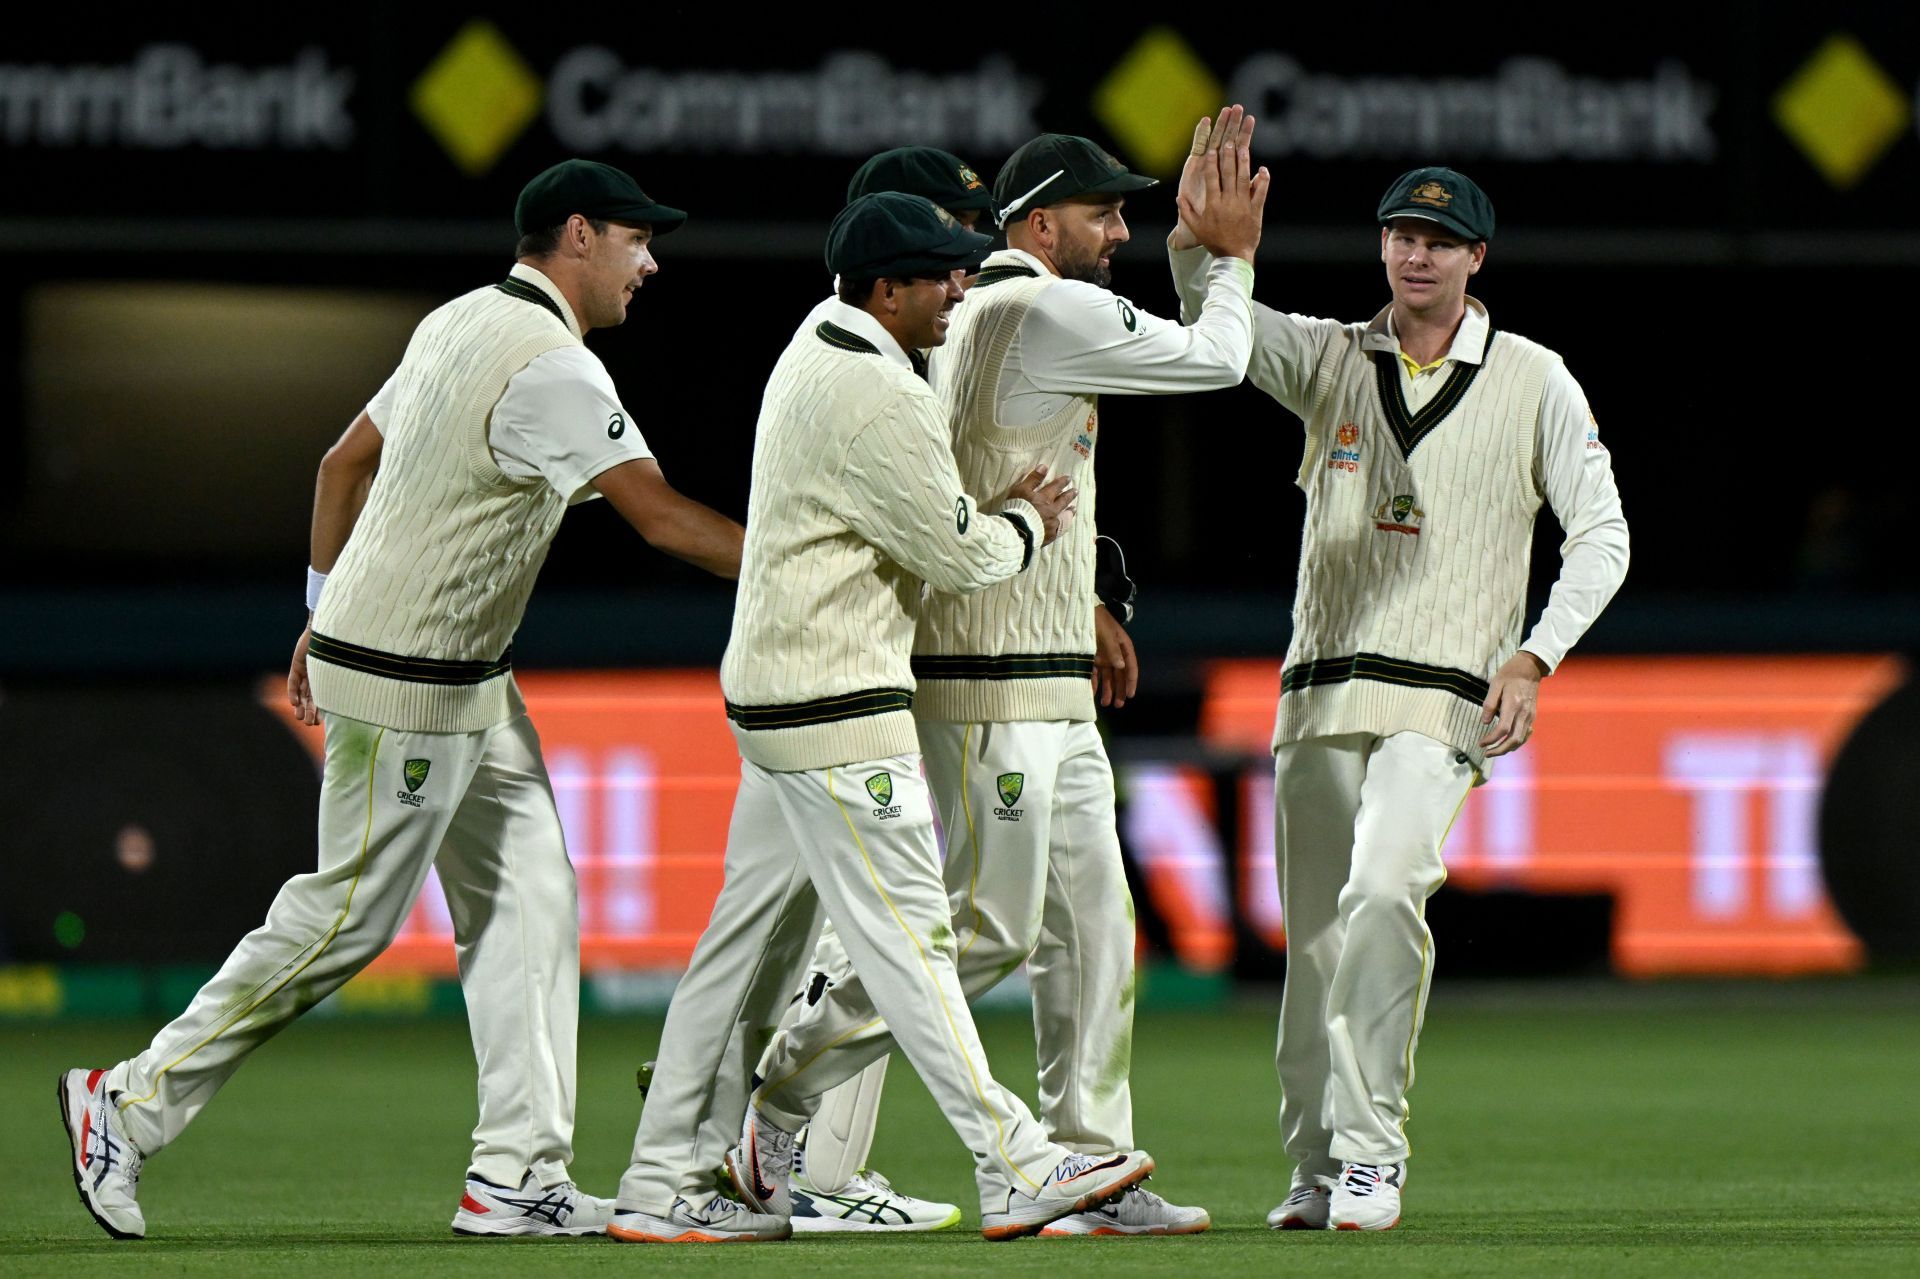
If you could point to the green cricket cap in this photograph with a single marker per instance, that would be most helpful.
(1440, 195)
(891, 233)
(941, 176)
(1056, 167)
(593, 190)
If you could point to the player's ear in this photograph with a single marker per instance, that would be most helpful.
(1479, 256)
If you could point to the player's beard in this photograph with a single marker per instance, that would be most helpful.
(1073, 265)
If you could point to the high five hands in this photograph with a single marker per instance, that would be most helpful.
(1221, 197)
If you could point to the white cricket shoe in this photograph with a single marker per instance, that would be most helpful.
(1137, 1212)
(1367, 1196)
(1304, 1208)
(1077, 1183)
(488, 1209)
(867, 1203)
(762, 1166)
(106, 1167)
(719, 1220)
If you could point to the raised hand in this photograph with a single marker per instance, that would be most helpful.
(1221, 198)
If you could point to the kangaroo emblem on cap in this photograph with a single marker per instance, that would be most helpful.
(1432, 193)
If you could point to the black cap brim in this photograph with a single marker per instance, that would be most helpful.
(661, 217)
(1452, 224)
(1118, 184)
(963, 251)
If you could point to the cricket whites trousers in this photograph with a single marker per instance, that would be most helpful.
(392, 804)
(858, 840)
(1033, 874)
(1358, 825)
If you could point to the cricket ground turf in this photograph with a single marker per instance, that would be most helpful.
(1691, 1129)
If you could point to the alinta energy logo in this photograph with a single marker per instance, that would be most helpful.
(479, 96)
(1530, 108)
(1842, 110)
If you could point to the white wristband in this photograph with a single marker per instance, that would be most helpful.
(316, 580)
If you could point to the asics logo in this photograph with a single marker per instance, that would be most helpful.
(550, 1208)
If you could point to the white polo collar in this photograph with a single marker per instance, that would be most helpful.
(538, 279)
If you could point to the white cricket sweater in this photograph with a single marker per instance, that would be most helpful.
(415, 628)
(1025, 362)
(855, 503)
(1419, 529)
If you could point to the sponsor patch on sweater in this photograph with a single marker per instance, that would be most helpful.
(1346, 449)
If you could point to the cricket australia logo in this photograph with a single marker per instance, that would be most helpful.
(1398, 515)
(880, 786)
(414, 773)
(1010, 785)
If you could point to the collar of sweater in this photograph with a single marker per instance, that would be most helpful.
(855, 320)
(533, 276)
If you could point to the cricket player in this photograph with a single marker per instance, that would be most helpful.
(1006, 703)
(855, 506)
(1432, 438)
(833, 1189)
(432, 515)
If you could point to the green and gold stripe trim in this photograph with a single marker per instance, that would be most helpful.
(1004, 666)
(997, 274)
(833, 335)
(822, 710)
(515, 287)
(413, 670)
(1386, 670)
(1411, 428)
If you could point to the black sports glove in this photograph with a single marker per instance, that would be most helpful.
(1110, 581)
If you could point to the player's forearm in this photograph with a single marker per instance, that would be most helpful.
(904, 496)
(1592, 567)
(339, 495)
(700, 535)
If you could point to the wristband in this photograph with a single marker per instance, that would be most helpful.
(316, 582)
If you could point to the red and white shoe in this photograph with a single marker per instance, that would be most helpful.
(106, 1166)
(529, 1209)
(1367, 1196)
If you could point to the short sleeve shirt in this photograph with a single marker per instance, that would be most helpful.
(559, 419)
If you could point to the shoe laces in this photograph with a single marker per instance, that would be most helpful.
(1362, 1179)
(1302, 1195)
(777, 1141)
(718, 1206)
(869, 1180)
(1072, 1166)
(114, 1154)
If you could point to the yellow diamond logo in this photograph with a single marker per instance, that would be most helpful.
(1842, 110)
(1151, 100)
(477, 97)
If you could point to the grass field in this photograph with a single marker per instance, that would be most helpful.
(1585, 1130)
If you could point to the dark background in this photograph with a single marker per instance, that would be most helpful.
(1735, 317)
(1731, 316)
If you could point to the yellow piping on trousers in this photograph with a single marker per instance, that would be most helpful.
(366, 837)
(1000, 1132)
(1426, 953)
